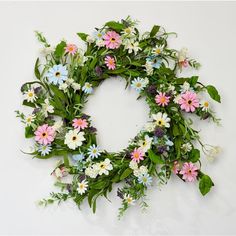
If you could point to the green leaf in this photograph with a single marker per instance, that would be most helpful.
(155, 158)
(36, 69)
(83, 36)
(60, 49)
(28, 104)
(57, 92)
(29, 132)
(126, 173)
(154, 30)
(212, 91)
(118, 71)
(194, 155)
(99, 184)
(176, 130)
(205, 184)
(115, 25)
(193, 80)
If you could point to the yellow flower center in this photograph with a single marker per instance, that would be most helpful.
(30, 94)
(158, 51)
(138, 85)
(163, 100)
(112, 40)
(206, 104)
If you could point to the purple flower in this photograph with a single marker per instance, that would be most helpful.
(161, 149)
(152, 89)
(98, 70)
(159, 132)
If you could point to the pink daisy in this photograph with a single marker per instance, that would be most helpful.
(189, 171)
(189, 101)
(71, 49)
(44, 134)
(137, 155)
(110, 62)
(112, 40)
(162, 100)
(80, 124)
(175, 168)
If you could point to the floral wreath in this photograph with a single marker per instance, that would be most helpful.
(65, 77)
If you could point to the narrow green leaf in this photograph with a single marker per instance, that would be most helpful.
(115, 25)
(155, 158)
(126, 173)
(36, 69)
(212, 91)
(83, 36)
(154, 30)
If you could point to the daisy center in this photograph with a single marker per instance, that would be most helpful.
(57, 74)
(162, 99)
(30, 94)
(74, 138)
(158, 51)
(189, 102)
(206, 104)
(44, 134)
(139, 85)
(112, 40)
(136, 155)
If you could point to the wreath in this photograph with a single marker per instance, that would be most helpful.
(65, 76)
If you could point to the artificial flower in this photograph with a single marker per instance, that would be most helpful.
(30, 95)
(44, 149)
(78, 157)
(94, 151)
(182, 54)
(204, 105)
(176, 167)
(69, 81)
(76, 86)
(57, 74)
(110, 62)
(139, 83)
(154, 61)
(82, 187)
(212, 152)
(104, 167)
(92, 171)
(157, 50)
(150, 126)
(129, 31)
(137, 155)
(132, 46)
(71, 49)
(162, 99)
(189, 101)
(47, 50)
(189, 172)
(161, 119)
(64, 87)
(142, 170)
(148, 68)
(185, 87)
(90, 39)
(47, 108)
(80, 124)
(100, 43)
(128, 199)
(58, 125)
(112, 40)
(87, 88)
(98, 35)
(60, 172)
(145, 144)
(74, 139)
(44, 134)
(177, 98)
(145, 179)
(133, 165)
(186, 147)
(29, 119)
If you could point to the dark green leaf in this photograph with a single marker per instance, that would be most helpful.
(126, 173)
(60, 49)
(194, 155)
(205, 184)
(29, 132)
(155, 158)
(83, 36)
(154, 30)
(36, 69)
(213, 93)
(115, 25)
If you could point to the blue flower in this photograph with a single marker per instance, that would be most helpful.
(145, 179)
(98, 35)
(94, 151)
(154, 61)
(78, 157)
(87, 88)
(57, 74)
(44, 149)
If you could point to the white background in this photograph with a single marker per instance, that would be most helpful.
(208, 30)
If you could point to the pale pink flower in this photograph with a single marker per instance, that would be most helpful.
(112, 40)
(184, 63)
(71, 49)
(110, 62)
(189, 171)
(162, 100)
(189, 101)
(80, 124)
(44, 134)
(137, 155)
(175, 168)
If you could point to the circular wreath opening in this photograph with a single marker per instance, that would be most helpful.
(65, 77)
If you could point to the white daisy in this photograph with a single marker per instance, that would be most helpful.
(139, 83)
(44, 149)
(129, 199)
(132, 46)
(29, 119)
(133, 165)
(105, 166)
(205, 105)
(129, 31)
(161, 119)
(82, 187)
(157, 50)
(47, 108)
(186, 147)
(94, 151)
(74, 139)
(146, 143)
(87, 88)
(30, 95)
(92, 171)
